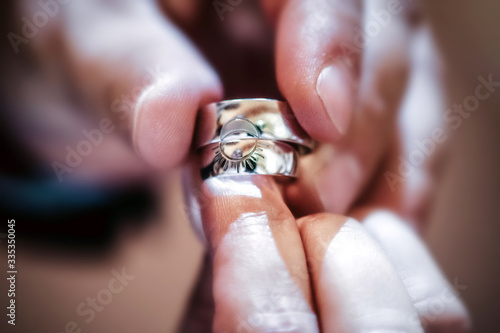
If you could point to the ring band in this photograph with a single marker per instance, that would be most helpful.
(264, 157)
(274, 120)
(253, 136)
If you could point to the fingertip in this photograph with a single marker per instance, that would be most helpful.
(320, 100)
(322, 104)
(161, 112)
(435, 299)
(310, 72)
(164, 119)
(360, 284)
(317, 232)
(259, 264)
(315, 224)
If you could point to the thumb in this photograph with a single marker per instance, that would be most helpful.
(143, 70)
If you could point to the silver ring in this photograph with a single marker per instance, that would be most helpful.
(253, 136)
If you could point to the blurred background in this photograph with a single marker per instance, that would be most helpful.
(111, 228)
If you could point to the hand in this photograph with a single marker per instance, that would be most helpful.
(342, 66)
(122, 61)
(258, 289)
(272, 273)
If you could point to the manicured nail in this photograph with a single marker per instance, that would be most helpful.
(334, 87)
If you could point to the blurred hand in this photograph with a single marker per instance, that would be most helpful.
(117, 60)
(342, 66)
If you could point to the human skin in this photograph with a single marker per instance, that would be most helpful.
(357, 106)
(275, 273)
(161, 123)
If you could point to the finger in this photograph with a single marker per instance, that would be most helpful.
(407, 188)
(436, 301)
(260, 275)
(302, 194)
(382, 83)
(355, 286)
(311, 66)
(57, 138)
(143, 71)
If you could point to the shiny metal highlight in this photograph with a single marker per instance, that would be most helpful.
(253, 136)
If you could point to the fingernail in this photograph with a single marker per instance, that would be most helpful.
(334, 87)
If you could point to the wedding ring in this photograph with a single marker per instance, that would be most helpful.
(253, 136)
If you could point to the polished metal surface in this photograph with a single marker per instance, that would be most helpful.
(261, 157)
(253, 136)
(273, 119)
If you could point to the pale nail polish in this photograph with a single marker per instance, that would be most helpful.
(335, 90)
